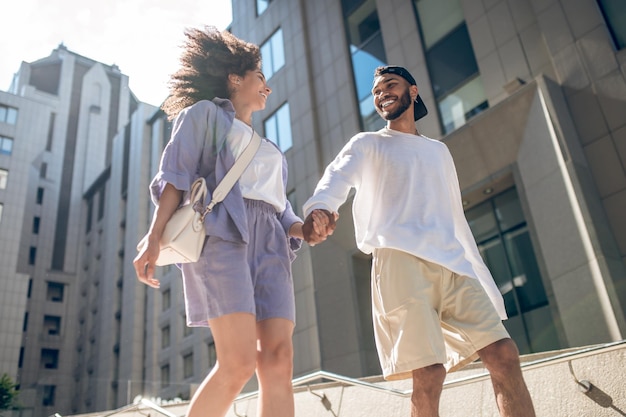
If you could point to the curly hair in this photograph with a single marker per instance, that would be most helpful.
(208, 57)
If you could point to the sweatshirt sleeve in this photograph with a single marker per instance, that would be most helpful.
(340, 176)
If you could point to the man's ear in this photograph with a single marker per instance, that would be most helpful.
(414, 91)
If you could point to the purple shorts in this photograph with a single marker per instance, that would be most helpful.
(233, 277)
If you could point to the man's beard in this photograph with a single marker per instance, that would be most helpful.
(405, 103)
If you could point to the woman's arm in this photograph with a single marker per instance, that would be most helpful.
(144, 262)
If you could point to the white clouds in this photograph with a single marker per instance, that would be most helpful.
(141, 36)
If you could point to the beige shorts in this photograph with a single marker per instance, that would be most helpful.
(425, 314)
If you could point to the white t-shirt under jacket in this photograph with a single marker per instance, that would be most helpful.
(407, 198)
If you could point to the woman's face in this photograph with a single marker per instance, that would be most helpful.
(253, 90)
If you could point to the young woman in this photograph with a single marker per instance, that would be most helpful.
(241, 287)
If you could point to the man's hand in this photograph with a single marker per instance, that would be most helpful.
(318, 226)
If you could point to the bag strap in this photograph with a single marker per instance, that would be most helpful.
(233, 174)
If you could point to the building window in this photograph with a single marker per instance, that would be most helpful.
(165, 337)
(188, 365)
(55, 292)
(39, 198)
(451, 63)
(165, 376)
(368, 52)
(52, 325)
(25, 324)
(49, 358)
(43, 170)
(47, 399)
(101, 201)
(4, 178)
(20, 361)
(261, 5)
(500, 230)
(166, 299)
(36, 222)
(212, 354)
(614, 12)
(278, 128)
(6, 145)
(50, 131)
(8, 115)
(32, 255)
(273, 54)
(89, 214)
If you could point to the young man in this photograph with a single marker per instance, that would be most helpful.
(435, 304)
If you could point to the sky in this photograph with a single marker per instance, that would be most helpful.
(142, 37)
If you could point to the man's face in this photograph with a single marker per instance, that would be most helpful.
(391, 96)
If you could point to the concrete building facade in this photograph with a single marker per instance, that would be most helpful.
(59, 120)
(530, 97)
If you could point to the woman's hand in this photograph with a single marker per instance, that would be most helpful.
(145, 260)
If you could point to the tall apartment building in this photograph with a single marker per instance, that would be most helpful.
(529, 95)
(57, 125)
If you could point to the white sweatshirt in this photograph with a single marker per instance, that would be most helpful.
(407, 198)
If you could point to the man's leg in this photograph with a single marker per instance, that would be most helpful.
(427, 387)
(502, 361)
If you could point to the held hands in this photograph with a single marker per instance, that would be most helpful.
(319, 225)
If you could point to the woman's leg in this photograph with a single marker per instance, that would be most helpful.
(275, 367)
(235, 345)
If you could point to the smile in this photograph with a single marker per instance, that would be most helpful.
(386, 103)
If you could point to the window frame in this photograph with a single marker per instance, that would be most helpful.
(269, 53)
(275, 132)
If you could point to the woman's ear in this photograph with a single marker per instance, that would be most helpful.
(234, 79)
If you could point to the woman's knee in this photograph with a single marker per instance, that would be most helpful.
(276, 360)
(237, 367)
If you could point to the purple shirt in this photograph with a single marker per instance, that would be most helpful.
(197, 148)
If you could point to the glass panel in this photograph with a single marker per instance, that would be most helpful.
(438, 18)
(261, 5)
(526, 276)
(273, 54)
(283, 118)
(508, 210)
(482, 222)
(615, 15)
(4, 175)
(451, 62)
(494, 255)
(55, 292)
(6, 145)
(368, 52)
(278, 128)
(463, 104)
(364, 61)
(165, 375)
(11, 116)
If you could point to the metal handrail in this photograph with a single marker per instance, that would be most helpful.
(568, 356)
